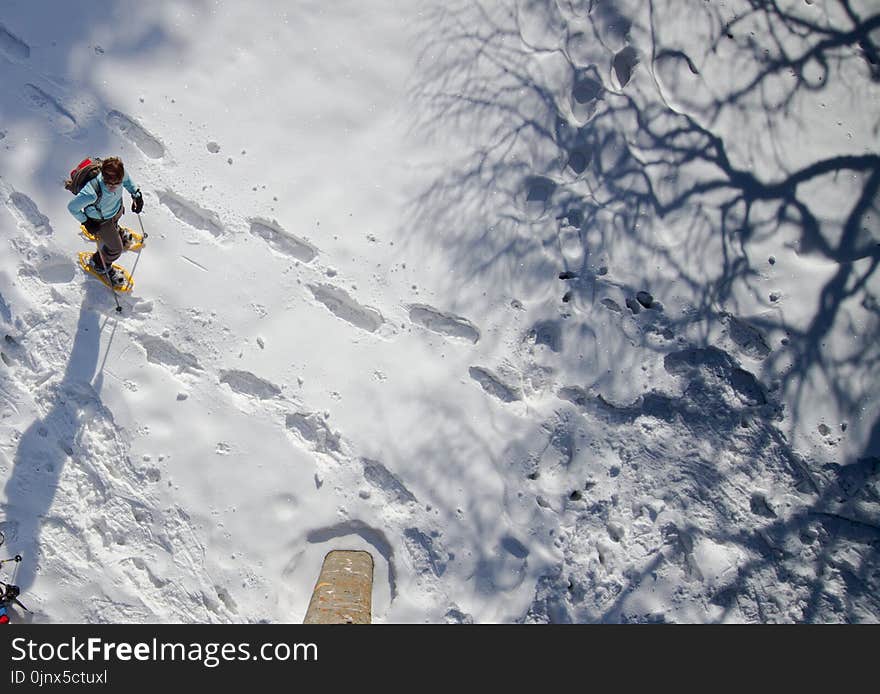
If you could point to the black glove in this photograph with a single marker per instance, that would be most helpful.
(137, 202)
(91, 225)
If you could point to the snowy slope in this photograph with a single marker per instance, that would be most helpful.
(349, 328)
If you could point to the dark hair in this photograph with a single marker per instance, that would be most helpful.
(113, 170)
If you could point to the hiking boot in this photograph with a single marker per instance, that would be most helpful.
(127, 238)
(96, 262)
(115, 277)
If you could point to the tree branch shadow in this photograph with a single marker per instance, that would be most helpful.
(555, 132)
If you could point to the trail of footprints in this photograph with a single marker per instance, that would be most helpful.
(116, 525)
(52, 270)
(425, 550)
(15, 49)
(172, 530)
(334, 298)
(456, 327)
(56, 270)
(59, 116)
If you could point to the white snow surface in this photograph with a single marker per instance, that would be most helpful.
(349, 331)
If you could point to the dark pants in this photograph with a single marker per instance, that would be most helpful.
(107, 231)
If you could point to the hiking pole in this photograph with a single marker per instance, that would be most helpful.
(144, 236)
(116, 299)
(143, 233)
(110, 286)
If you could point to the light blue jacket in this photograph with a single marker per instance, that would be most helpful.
(83, 205)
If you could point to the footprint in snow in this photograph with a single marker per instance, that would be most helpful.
(505, 569)
(227, 599)
(134, 132)
(49, 267)
(547, 333)
(586, 94)
(616, 531)
(383, 479)
(161, 351)
(760, 506)
(444, 323)
(746, 337)
(612, 305)
(701, 365)
(13, 352)
(624, 63)
(26, 212)
(12, 47)
(190, 213)
(342, 305)
(493, 385)
(513, 546)
(633, 306)
(282, 241)
(579, 159)
(425, 555)
(246, 383)
(52, 108)
(537, 192)
(313, 428)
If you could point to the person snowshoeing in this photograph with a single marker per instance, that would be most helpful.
(98, 207)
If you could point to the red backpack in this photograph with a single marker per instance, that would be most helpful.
(85, 171)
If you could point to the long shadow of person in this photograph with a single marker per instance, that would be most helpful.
(50, 441)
